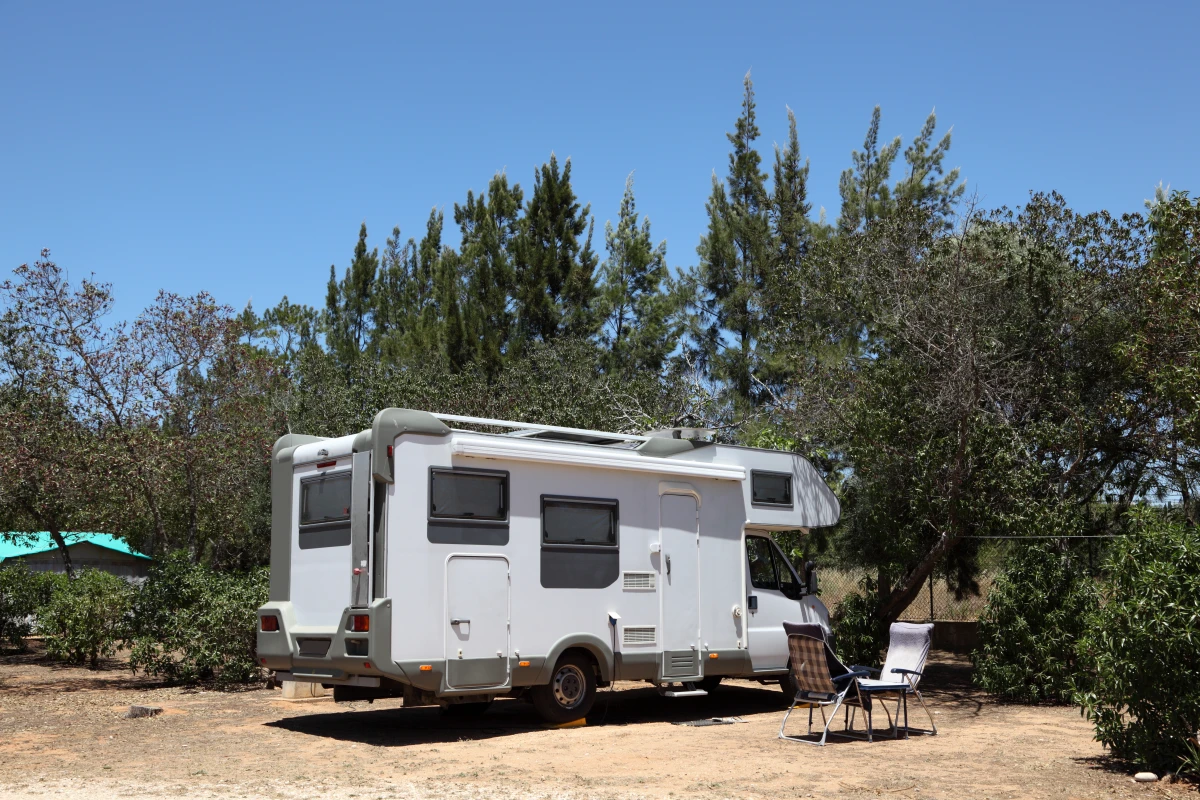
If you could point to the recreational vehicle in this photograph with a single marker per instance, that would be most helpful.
(450, 566)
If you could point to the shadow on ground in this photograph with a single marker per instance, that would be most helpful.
(400, 727)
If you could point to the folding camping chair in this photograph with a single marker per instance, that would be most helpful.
(908, 647)
(821, 679)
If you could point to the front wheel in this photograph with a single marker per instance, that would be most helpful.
(789, 686)
(709, 683)
(570, 693)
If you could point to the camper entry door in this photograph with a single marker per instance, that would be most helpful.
(680, 542)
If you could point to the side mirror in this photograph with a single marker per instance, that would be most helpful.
(810, 577)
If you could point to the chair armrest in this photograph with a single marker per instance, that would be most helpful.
(871, 670)
(862, 673)
(899, 671)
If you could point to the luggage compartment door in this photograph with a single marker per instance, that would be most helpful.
(477, 622)
(679, 529)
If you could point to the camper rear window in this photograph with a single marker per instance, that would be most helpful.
(579, 521)
(325, 499)
(771, 488)
(468, 494)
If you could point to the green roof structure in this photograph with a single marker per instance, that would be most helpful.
(17, 545)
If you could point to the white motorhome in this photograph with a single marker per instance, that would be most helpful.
(453, 566)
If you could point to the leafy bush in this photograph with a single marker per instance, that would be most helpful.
(22, 593)
(194, 624)
(1031, 625)
(859, 631)
(1142, 645)
(86, 618)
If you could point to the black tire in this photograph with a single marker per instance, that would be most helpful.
(789, 686)
(465, 709)
(571, 691)
(709, 683)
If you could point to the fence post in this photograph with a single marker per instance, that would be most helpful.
(931, 595)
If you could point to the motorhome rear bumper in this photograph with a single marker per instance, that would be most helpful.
(330, 655)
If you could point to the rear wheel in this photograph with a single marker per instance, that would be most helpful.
(571, 691)
(709, 683)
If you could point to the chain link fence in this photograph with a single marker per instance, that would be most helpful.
(937, 601)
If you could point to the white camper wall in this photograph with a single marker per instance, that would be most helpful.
(541, 616)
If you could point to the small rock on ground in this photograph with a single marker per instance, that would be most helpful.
(135, 712)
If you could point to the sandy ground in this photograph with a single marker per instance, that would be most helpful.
(62, 735)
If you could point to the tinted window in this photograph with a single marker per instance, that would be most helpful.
(579, 521)
(771, 488)
(787, 580)
(325, 499)
(465, 494)
(762, 567)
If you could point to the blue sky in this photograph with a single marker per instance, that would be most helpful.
(235, 148)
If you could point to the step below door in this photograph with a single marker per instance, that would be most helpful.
(477, 622)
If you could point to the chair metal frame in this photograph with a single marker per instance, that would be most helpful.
(818, 688)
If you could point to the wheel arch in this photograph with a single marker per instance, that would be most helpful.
(596, 647)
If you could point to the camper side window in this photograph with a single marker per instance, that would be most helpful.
(771, 488)
(579, 521)
(468, 494)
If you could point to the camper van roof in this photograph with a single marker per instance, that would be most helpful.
(554, 432)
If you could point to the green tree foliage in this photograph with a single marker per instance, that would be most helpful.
(555, 271)
(193, 624)
(859, 630)
(636, 331)
(1141, 645)
(864, 188)
(1032, 623)
(734, 257)
(981, 398)
(23, 594)
(86, 618)
(926, 183)
(349, 303)
(490, 226)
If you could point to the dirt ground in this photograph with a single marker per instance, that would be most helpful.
(62, 735)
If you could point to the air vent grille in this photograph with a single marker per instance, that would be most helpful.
(639, 580)
(639, 634)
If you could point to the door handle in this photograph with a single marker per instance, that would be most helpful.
(668, 566)
(460, 622)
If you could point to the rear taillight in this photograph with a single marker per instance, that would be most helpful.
(269, 623)
(360, 623)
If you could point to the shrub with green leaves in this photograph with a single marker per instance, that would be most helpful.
(1142, 645)
(194, 624)
(1029, 629)
(22, 594)
(860, 635)
(86, 618)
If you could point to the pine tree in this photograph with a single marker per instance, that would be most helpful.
(349, 306)
(555, 281)
(864, 187)
(734, 255)
(489, 229)
(425, 335)
(453, 340)
(634, 311)
(789, 201)
(926, 184)
(393, 299)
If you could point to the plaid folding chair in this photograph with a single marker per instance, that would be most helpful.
(908, 647)
(822, 680)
